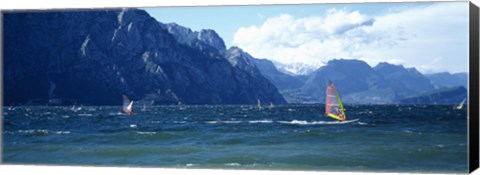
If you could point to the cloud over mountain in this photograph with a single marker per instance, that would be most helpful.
(431, 37)
(289, 39)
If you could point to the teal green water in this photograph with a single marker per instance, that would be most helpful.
(295, 137)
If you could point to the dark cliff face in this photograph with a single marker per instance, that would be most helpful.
(210, 37)
(93, 57)
(244, 71)
(207, 41)
(247, 72)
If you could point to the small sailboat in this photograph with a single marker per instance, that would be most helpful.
(460, 106)
(259, 104)
(271, 105)
(12, 107)
(75, 108)
(127, 106)
(144, 108)
(333, 104)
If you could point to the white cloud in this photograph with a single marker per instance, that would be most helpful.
(414, 37)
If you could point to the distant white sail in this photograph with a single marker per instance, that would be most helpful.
(127, 106)
(259, 104)
(460, 106)
(75, 108)
(144, 107)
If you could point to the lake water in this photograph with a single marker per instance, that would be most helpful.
(405, 138)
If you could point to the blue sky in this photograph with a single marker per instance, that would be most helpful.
(226, 20)
(432, 37)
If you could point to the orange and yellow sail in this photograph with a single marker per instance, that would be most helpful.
(333, 104)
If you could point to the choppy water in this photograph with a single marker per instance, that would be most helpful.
(385, 138)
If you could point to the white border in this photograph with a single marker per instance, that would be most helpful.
(75, 4)
(79, 170)
(87, 4)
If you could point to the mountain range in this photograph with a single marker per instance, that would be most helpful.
(94, 57)
(359, 83)
(445, 79)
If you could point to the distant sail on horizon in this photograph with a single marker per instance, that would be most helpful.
(333, 104)
(75, 108)
(144, 107)
(259, 104)
(460, 106)
(127, 106)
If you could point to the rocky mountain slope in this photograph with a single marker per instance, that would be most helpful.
(445, 79)
(93, 57)
(359, 83)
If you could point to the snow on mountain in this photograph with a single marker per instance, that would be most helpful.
(297, 68)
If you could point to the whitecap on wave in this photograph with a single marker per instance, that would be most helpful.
(232, 164)
(190, 164)
(303, 122)
(146, 133)
(362, 123)
(228, 122)
(32, 131)
(260, 121)
(62, 132)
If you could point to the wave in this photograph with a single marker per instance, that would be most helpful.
(8, 132)
(146, 133)
(260, 121)
(62, 132)
(232, 164)
(40, 132)
(303, 122)
(191, 164)
(227, 121)
(115, 113)
(34, 132)
(237, 121)
(295, 122)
